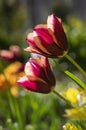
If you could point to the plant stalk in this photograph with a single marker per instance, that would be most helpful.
(75, 64)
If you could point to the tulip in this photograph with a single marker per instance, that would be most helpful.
(6, 55)
(11, 54)
(15, 49)
(48, 39)
(38, 76)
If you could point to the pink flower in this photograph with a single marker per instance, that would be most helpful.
(6, 55)
(11, 54)
(15, 49)
(48, 39)
(38, 76)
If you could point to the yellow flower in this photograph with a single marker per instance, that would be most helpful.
(11, 72)
(14, 91)
(76, 96)
(2, 82)
(71, 95)
(76, 113)
(69, 126)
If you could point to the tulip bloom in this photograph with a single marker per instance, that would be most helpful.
(38, 76)
(48, 39)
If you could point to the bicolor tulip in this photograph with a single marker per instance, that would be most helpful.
(38, 76)
(48, 39)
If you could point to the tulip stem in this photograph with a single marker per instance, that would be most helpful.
(72, 76)
(59, 95)
(75, 64)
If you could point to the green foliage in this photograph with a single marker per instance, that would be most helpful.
(36, 111)
(12, 22)
(12, 16)
(32, 111)
(76, 33)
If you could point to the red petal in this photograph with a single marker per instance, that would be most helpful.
(30, 40)
(55, 25)
(38, 68)
(33, 85)
(33, 68)
(47, 43)
(48, 72)
(44, 34)
(35, 45)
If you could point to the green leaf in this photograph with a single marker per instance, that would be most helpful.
(76, 79)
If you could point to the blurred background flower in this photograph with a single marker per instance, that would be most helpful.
(76, 96)
(69, 126)
(12, 54)
(10, 75)
(76, 113)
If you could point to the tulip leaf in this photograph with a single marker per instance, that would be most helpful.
(76, 79)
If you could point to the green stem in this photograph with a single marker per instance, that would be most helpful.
(76, 65)
(72, 76)
(59, 95)
(18, 114)
(15, 109)
(11, 103)
(76, 79)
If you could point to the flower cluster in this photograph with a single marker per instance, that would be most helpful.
(48, 40)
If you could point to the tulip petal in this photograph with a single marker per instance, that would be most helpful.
(35, 44)
(28, 69)
(47, 43)
(39, 43)
(43, 38)
(48, 72)
(30, 40)
(34, 68)
(33, 50)
(33, 85)
(44, 34)
(42, 69)
(55, 25)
